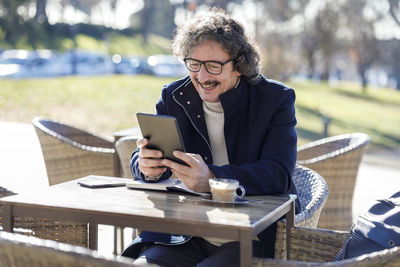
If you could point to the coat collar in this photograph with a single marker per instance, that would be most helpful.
(232, 100)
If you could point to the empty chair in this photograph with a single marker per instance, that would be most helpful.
(312, 192)
(319, 247)
(125, 146)
(337, 159)
(71, 233)
(70, 153)
(20, 251)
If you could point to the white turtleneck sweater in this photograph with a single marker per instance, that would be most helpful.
(214, 116)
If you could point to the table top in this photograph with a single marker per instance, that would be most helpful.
(125, 205)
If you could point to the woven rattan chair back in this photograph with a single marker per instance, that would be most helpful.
(20, 251)
(70, 153)
(319, 247)
(312, 192)
(3, 193)
(337, 159)
(125, 146)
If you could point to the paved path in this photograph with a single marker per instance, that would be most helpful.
(22, 169)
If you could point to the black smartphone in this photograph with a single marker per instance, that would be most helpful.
(163, 134)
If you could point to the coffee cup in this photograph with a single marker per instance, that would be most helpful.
(225, 190)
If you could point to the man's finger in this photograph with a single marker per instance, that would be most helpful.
(151, 162)
(175, 166)
(150, 153)
(189, 158)
(141, 142)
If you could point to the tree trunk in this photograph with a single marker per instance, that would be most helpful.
(362, 70)
(393, 6)
(147, 19)
(311, 64)
(40, 15)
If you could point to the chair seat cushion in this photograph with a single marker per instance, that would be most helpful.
(375, 230)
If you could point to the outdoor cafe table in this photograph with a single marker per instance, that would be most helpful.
(153, 211)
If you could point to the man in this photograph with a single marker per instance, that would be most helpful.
(235, 124)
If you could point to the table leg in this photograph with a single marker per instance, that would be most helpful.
(121, 242)
(115, 240)
(93, 233)
(246, 248)
(289, 225)
(8, 219)
(118, 231)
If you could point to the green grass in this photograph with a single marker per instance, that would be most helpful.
(103, 105)
(376, 113)
(99, 104)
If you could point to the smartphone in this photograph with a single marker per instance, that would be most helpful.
(97, 181)
(163, 134)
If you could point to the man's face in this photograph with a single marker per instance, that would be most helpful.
(210, 86)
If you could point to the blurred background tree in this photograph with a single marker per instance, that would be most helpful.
(394, 10)
(324, 40)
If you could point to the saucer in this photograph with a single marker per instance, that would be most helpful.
(237, 201)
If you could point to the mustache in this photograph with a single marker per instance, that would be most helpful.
(207, 83)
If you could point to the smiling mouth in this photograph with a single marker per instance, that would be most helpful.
(208, 84)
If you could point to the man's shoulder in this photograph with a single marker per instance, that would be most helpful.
(172, 86)
(270, 86)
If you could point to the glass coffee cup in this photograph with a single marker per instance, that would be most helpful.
(225, 190)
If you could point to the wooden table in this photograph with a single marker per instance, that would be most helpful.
(152, 211)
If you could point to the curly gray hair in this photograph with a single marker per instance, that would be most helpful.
(218, 26)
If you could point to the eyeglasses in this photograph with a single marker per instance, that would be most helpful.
(212, 66)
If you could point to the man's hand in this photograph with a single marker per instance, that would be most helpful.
(195, 176)
(150, 162)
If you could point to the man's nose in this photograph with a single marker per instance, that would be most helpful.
(203, 74)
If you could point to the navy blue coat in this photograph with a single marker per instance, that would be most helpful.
(259, 131)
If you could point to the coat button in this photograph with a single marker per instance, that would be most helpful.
(181, 93)
(391, 243)
(205, 158)
(198, 116)
(188, 102)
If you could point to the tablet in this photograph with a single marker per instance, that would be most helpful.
(163, 134)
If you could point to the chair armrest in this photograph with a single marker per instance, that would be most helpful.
(18, 250)
(383, 258)
(316, 245)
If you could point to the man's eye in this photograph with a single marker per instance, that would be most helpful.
(194, 65)
(213, 66)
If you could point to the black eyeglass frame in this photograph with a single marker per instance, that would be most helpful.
(205, 66)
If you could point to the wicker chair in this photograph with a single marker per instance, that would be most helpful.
(20, 251)
(337, 159)
(319, 247)
(71, 153)
(71, 233)
(312, 192)
(125, 146)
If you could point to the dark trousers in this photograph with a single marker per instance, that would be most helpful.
(196, 252)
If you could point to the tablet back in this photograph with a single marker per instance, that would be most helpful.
(162, 132)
